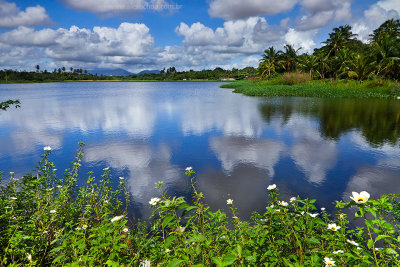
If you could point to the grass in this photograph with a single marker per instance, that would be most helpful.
(318, 88)
(49, 220)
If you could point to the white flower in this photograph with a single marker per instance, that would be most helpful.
(11, 173)
(352, 242)
(7, 207)
(13, 198)
(117, 218)
(293, 199)
(359, 248)
(235, 217)
(338, 251)
(271, 207)
(77, 164)
(47, 148)
(121, 178)
(167, 250)
(329, 262)
(333, 227)
(53, 211)
(50, 189)
(144, 263)
(313, 214)
(78, 228)
(377, 249)
(188, 169)
(125, 230)
(360, 198)
(229, 201)
(271, 187)
(54, 170)
(59, 186)
(84, 226)
(398, 98)
(322, 209)
(29, 256)
(106, 169)
(283, 203)
(182, 229)
(154, 201)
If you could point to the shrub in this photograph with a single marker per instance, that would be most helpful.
(291, 78)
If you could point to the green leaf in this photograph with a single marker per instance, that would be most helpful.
(372, 210)
(370, 243)
(197, 238)
(167, 220)
(369, 223)
(381, 237)
(313, 240)
(175, 263)
(390, 251)
(228, 259)
(169, 240)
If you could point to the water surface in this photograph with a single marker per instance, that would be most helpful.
(238, 145)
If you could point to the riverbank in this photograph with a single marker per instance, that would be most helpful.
(319, 88)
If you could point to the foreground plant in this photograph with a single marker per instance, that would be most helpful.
(47, 220)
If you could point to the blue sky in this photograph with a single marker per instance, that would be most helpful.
(189, 34)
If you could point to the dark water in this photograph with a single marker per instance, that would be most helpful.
(238, 145)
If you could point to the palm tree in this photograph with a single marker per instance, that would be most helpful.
(361, 67)
(390, 27)
(338, 39)
(309, 63)
(267, 68)
(37, 68)
(290, 57)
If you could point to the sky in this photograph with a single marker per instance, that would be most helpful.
(138, 35)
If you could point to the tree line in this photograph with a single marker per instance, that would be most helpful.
(342, 56)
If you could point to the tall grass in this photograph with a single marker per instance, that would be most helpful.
(319, 88)
(48, 220)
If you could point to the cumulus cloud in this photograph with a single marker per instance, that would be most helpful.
(374, 16)
(118, 6)
(127, 43)
(11, 16)
(239, 9)
(319, 13)
(301, 39)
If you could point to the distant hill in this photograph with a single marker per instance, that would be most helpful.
(119, 72)
(110, 72)
(148, 71)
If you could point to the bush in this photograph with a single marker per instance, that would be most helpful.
(291, 78)
(45, 220)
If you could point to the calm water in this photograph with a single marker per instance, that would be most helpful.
(237, 145)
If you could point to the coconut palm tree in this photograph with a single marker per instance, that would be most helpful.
(308, 63)
(289, 57)
(338, 39)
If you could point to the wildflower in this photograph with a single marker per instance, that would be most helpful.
(182, 229)
(12, 173)
(77, 164)
(117, 218)
(154, 201)
(29, 256)
(235, 217)
(352, 242)
(302, 213)
(322, 209)
(47, 148)
(121, 178)
(229, 201)
(360, 198)
(358, 248)
(144, 263)
(7, 207)
(53, 211)
(78, 228)
(293, 199)
(338, 251)
(84, 227)
(377, 249)
(271, 187)
(125, 230)
(329, 262)
(167, 250)
(189, 169)
(271, 207)
(313, 214)
(54, 170)
(13, 198)
(59, 186)
(106, 169)
(283, 203)
(50, 189)
(333, 227)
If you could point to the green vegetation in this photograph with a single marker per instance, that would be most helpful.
(6, 104)
(47, 220)
(319, 88)
(170, 74)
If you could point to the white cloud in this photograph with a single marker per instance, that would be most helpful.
(11, 16)
(24, 36)
(374, 16)
(239, 9)
(301, 39)
(112, 7)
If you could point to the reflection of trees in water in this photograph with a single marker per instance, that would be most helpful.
(377, 119)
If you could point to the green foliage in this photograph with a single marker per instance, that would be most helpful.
(46, 220)
(6, 104)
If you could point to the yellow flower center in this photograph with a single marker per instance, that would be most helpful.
(329, 263)
(360, 199)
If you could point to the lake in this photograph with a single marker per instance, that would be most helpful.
(238, 145)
